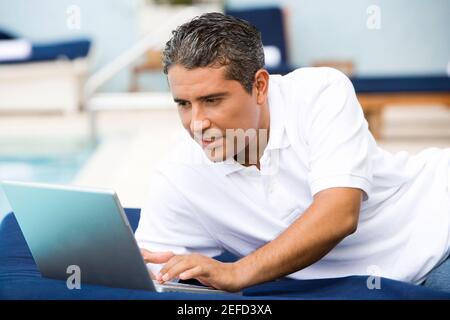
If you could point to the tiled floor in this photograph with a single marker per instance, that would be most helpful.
(134, 142)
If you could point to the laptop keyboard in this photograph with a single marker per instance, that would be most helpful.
(177, 287)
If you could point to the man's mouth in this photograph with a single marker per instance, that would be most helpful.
(208, 143)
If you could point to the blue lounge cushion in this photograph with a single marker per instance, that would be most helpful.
(20, 279)
(269, 21)
(391, 84)
(68, 50)
(7, 35)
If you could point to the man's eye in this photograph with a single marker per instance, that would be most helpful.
(182, 104)
(212, 100)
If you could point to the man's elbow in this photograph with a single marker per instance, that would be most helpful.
(351, 225)
(352, 229)
(345, 204)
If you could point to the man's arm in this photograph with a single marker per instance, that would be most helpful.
(332, 216)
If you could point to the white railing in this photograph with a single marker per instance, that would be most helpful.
(149, 41)
(95, 103)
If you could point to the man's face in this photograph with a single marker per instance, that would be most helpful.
(210, 105)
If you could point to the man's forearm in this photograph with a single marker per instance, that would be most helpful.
(306, 241)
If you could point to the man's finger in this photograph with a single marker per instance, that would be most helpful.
(191, 273)
(182, 266)
(156, 257)
(152, 275)
(169, 265)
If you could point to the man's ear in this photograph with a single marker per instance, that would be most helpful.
(261, 85)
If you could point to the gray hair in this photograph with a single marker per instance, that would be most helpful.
(215, 39)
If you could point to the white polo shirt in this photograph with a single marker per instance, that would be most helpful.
(318, 139)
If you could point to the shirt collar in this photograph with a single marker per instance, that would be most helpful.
(277, 133)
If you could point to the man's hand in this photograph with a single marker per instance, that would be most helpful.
(156, 258)
(208, 271)
(332, 216)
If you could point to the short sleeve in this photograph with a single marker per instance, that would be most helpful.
(168, 223)
(338, 138)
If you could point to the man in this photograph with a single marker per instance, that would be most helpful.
(290, 178)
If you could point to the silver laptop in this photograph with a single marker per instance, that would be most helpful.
(84, 227)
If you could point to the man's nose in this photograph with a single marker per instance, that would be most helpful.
(199, 121)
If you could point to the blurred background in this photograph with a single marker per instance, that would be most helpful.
(83, 99)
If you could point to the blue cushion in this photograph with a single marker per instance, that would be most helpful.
(69, 50)
(280, 69)
(7, 35)
(20, 279)
(423, 83)
(269, 21)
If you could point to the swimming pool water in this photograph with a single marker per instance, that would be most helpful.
(56, 167)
